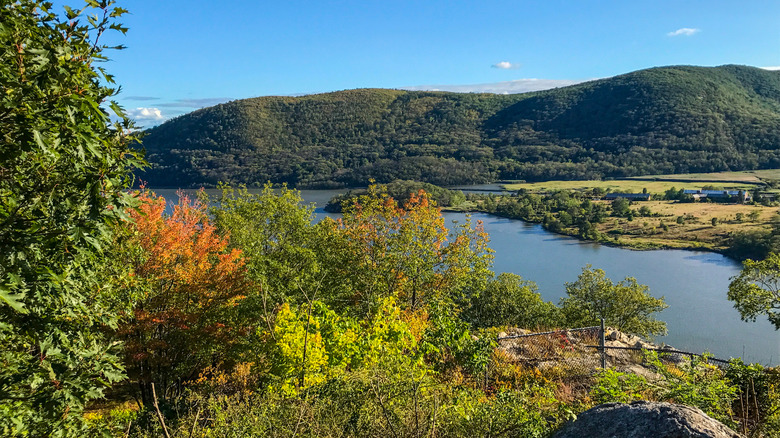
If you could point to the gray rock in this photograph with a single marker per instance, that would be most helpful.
(645, 419)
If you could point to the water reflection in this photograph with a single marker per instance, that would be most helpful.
(713, 258)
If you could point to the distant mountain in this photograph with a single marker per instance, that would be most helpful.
(654, 121)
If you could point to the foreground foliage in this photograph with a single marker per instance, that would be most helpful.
(63, 165)
(356, 330)
(187, 283)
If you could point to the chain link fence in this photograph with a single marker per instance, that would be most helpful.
(576, 357)
(582, 351)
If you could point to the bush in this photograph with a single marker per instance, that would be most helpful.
(696, 383)
(757, 404)
(613, 386)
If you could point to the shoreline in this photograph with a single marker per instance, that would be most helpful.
(619, 243)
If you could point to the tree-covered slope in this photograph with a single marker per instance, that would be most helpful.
(660, 120)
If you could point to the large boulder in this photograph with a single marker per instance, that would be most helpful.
(644, 419)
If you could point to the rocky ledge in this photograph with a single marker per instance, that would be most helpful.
(645, 419)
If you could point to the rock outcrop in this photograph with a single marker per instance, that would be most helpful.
(573, 349)
(645, 419)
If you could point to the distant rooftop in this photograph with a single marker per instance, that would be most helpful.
(712, 192)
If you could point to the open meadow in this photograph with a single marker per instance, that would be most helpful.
(695, 229)
(674, 224)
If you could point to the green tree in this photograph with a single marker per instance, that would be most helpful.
(276, 233)
(625, 306)
(673, 194)
(756, 290)
(382, 249)
(621, 207)
(510, 300)
(63, 166)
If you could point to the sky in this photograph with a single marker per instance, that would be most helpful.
(184, 55)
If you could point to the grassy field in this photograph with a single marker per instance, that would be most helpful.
(662, 229)
(696, 231)
(746, 180)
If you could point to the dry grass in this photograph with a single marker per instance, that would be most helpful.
(696, 232)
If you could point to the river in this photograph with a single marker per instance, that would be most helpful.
(693, 283)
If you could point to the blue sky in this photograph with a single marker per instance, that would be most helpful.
(183, 55)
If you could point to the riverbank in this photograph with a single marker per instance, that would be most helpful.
(699, 226)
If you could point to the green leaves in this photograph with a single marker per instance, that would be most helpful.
(13, 299)
(625, 306)
(508, 300)
(62, 169)
(756, 290)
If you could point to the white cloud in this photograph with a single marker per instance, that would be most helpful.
(684, 31)
(147, 116)
(506, 87)
(772, 67)
(505, 65)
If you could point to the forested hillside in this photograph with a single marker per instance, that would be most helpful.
(654, 121)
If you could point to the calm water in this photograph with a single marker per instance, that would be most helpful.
(694, 284)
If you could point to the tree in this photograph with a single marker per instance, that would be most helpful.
(309, 347)
(621, 207)
(625, 306)
(191, 283)
(510, 300)
(276, 234)
(756, 290)
(63, 168)
(380, 249)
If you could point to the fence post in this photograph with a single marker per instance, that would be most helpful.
(602, 350)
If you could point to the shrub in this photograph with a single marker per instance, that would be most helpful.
(696, 383)
(613, 386)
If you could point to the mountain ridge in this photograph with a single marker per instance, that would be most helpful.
(660, 120)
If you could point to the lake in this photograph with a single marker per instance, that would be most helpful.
(693, 283)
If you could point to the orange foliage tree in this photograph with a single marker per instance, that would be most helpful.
(383, 249)
(190, 284)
